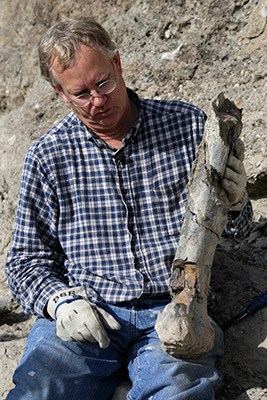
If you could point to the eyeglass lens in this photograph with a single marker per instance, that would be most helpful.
(103, 88)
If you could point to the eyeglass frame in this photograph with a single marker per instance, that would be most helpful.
(91, 96)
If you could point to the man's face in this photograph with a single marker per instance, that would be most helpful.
(105, 112)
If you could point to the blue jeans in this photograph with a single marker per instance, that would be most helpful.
(52, 369)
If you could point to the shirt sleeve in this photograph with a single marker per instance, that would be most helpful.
(35, 262)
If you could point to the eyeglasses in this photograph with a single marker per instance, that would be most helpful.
(85, 99)
(103, 88)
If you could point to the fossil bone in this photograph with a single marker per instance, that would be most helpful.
(184, 327)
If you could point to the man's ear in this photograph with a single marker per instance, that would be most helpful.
(61, 94)
(117, 60)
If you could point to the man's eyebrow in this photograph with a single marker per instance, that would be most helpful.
(76, 92)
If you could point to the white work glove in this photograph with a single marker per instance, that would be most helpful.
(79, 319)
(235, 179)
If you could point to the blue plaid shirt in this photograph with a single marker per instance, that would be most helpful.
(105, 219)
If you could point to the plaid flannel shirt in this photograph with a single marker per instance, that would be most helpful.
(105, 219)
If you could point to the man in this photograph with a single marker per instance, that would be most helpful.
(101, 203)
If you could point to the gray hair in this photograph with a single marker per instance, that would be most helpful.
(63, 40)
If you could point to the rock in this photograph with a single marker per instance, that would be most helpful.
(121, 391)
(254, 394)
(257, 20)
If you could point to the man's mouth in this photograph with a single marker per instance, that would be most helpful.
(103, 113)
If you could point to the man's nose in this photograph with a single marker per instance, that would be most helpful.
(97, 99)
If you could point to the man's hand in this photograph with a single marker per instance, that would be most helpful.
(78, 319)
(235, 179)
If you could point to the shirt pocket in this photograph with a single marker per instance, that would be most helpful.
(169, 205)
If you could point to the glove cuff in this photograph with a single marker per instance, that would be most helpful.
(241, 203)
(64, 296)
